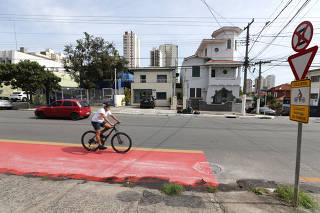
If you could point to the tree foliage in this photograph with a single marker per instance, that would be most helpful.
(93, 60)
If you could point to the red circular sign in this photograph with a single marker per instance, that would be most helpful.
(302, 36)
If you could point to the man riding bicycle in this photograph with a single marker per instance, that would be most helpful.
(100, 120)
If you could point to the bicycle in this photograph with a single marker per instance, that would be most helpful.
(120, 141)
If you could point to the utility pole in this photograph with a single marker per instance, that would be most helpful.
(246, 64)
(259, 85)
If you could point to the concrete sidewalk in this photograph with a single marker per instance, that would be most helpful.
(30, 194)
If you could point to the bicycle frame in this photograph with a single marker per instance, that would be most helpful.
(110, 132)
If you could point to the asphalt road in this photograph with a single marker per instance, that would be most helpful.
(235, 148)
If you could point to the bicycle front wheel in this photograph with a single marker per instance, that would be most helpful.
(121, 142)
(89, 141)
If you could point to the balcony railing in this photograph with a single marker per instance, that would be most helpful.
(224, 81)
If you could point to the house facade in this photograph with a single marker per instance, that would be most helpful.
(212, 74)
(157, 82)
(280, 92)
(314, 76)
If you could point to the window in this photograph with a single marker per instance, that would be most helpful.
(192, 92)
(213, 73)
(56, 104)
(195, 92)
(225, 72)
(315, 78)
(161, 78)
(198, 92)
(67, 103)
(83, 104)
(314, 96)
(235, 44)
(229, 44)
(143, 79)
(161, 95)
(205, 52)
(195, 71)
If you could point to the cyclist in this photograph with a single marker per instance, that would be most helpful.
(100, 120)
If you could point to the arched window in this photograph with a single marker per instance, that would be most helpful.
(229, 44)
(205, 52)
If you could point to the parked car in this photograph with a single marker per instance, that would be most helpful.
(265, 111)
(69, 108)
(5, 103)
(147, 102)
(285, 111)
(19, 96)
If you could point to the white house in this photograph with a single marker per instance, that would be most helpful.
(158, 82)
(314, 76)
(212, 74)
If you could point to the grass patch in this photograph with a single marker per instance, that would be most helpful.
(44, 179)
(259, 190)
(212, 189)
(285, 193)
(128, 184)
(265, 118)
(172, 188)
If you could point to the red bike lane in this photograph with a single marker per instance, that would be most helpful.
(62, 160)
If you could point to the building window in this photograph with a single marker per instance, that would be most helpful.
(161, 96)
(315, 78)
(216, 49)
(161, 78)
(314, 96)
(195, 71)
(195, 92)
(205, 52)
(213, 73)
(192, 92)
(225, 72)
(198, 92)
(143, 79)
(229, 44)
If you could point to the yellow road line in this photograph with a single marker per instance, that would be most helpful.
(310, 179)
(72, 144)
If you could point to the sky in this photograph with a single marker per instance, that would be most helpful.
(38, 25)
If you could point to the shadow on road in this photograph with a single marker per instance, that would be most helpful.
(81, 151)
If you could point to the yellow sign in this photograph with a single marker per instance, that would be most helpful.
(299, 113)
(300, 101)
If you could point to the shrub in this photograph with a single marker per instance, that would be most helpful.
(172, 188)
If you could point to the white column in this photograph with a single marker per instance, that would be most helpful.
(243, 110)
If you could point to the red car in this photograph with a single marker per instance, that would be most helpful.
(74, 109)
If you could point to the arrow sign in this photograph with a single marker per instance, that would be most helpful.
(301, 62)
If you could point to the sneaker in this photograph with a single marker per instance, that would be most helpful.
(101, 147)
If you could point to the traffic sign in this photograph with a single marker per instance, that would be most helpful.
(300, 101)
(301, 62)
(302, 36)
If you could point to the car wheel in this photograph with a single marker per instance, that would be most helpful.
(74, 116)
(40, 114)
(86, 116)
(24, 99)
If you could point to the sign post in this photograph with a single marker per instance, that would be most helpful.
(300, 89)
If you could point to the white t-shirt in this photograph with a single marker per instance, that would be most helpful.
(97, 117)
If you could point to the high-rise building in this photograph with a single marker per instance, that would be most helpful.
(249, 86)
(169, 55)
(271, 81)
(263, 84)
(131, 49)
(155, 58)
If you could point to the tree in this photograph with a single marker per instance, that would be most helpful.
(93, 60)
(29, 76)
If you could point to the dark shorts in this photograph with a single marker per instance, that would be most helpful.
(97, 125)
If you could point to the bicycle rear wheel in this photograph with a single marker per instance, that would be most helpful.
(121, 142)
(89, 141)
